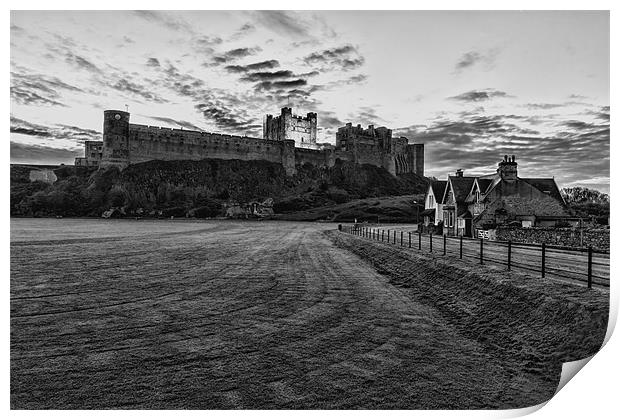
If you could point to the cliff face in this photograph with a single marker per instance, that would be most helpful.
(176, 187)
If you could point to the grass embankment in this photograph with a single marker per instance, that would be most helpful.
(380, 209)
(203, 188)
(537, 322)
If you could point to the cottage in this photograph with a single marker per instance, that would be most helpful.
(473, 203)
(433, 207)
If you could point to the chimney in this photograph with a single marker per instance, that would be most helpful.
(459, 173)
(507, 169)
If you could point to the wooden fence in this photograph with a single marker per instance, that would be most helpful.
(561, 263)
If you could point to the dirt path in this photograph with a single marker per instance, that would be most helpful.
(234, 315)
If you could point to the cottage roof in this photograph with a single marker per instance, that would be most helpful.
(527, 206)
(461, 186)
(484, 183)
(438, 188)
(545, 185)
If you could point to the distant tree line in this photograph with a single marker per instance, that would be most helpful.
(587, 203)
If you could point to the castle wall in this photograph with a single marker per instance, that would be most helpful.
(125, 144)
(314, 157)
(154, 143)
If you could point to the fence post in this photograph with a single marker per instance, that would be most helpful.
(419, 240)
(444, 244)
(401, 238)
(382, 232)
(461, 248)
(542, 268)
(388, 238)
(589, 267)
(394, 239)
(481, 258)
(431, 241)
(509, 254)
(409, 239)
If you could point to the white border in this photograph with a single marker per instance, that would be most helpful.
(592, 394)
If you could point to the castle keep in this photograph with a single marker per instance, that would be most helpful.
(287, 126)
(288, 140)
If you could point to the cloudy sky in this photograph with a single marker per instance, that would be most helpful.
(472, 86)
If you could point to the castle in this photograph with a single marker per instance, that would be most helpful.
(287, 139)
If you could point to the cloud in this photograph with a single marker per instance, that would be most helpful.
(36, 89)
(233, 55)
(262, 65)
(543, 106)
(127, 86)
(328, 120)
(267, 75)
(483, 139)
(227, 120)
(180, 123)
(267, 85)
(479, 95)
(204, 44)
(164, 19)
(243, 31)
(474, 58)
(341, 58)
(29, 132)
(37, 154)
(284, 23)
(273, 75)
(81, 63)
(153, 62)
(601, 114)
(26, 97)
(53, 132)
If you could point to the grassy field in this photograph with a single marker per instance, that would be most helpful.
(200, 315)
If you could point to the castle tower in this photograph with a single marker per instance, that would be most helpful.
(115, 139)
(287, 126)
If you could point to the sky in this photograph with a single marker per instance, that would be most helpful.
(472, 86)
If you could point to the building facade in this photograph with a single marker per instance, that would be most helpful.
(93, 151)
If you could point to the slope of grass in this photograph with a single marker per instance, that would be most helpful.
(181, 187)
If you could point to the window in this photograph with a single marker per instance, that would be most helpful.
(450, 219)
(431, 201)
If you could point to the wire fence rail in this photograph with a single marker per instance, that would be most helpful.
(581, 265)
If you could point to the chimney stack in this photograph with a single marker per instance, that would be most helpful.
(507, 168)
(459, 173)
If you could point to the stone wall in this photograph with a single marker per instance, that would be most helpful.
(155, 143)
(570, 237)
